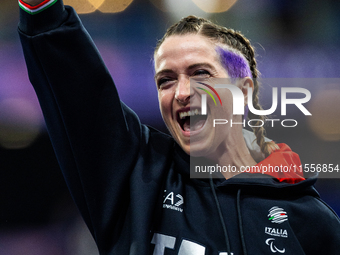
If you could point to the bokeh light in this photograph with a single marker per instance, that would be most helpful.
(178, 9)
(214, 6)
(113, 6)
(20, 123)
(106, 6)
(325, 119)
(84, 6)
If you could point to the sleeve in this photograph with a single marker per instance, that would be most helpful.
(96, 137)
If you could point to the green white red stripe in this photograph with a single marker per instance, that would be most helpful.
(38, 8)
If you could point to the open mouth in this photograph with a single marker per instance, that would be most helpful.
(191, 120)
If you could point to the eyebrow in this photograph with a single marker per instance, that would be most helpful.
(193, 66)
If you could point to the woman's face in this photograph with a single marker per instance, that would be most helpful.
(179, 58)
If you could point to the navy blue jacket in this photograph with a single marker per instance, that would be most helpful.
(131, 183)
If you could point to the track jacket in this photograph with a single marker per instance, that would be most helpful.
(131, 183)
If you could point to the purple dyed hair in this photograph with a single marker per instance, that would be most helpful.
(236, 65)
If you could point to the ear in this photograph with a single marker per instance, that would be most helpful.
(246, 83)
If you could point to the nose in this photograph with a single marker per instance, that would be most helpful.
(183, 90)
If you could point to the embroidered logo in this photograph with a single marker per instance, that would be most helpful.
(173, 202)
(272, 246)
(277, 215)
(276, 232)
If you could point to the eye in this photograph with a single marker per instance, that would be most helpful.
(202, 73)
(165, 82)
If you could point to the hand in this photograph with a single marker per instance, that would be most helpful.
(33, 2)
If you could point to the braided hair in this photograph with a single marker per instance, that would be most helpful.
(237, 42)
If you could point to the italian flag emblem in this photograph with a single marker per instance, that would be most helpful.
(277, 215)
(38, 8)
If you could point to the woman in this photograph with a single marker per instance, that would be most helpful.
(131, 183)
(207, 51)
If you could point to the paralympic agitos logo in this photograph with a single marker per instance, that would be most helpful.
(239, 109)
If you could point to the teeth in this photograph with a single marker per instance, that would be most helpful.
(182, 115)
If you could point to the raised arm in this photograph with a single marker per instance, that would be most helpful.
(96, 137)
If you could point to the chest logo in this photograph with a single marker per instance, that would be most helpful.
(273, 248)
(276, 232)
(172, 201)
(277, 215)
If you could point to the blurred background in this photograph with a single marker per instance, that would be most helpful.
(297, 45)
